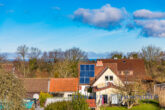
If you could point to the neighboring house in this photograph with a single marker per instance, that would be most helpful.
(63, 87)
(104, 76)
(35, 86)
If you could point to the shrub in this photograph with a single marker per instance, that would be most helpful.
(79, 102)
(59, 106)
(42, 98)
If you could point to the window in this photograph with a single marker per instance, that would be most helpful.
(69, 95)
(111, 78)
(106, 78)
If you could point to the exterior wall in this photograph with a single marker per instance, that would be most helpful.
(83, 90)
(101, 82)
(66, 94)
(107, 92)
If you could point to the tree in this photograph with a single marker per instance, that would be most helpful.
(23, 52)
(151, 53)
(12, 92)
(57, 55)
(74, 55)
(34, 53)
(152, 56)
(117, 55)
(3, 57)
(62, 69)
(133, 55)
(131, 92)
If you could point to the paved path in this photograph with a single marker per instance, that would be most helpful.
(38, 108)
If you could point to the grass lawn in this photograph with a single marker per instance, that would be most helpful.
(144, 105)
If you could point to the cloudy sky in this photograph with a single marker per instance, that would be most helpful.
(92, 25)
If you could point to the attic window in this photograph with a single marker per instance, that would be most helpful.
(111, 78)
(106, 78)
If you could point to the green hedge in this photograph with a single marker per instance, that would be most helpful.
(78, 103)
(59, 106)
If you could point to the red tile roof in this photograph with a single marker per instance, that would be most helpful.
(63, 85)
(135, 65)
(35, 84)
(91, 103)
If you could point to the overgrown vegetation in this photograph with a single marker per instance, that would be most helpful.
(12, 92)
(78, 103)
(42, 98)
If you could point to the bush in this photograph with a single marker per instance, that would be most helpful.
(43, 97)
(59, 106)
(78, 103)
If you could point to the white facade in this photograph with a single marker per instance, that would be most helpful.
(107, 93)
(102, 82)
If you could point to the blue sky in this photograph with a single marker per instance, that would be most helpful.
(92, 25)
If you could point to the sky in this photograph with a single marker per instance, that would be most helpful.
(91, 25)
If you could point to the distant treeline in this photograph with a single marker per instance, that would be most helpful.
(32, 62)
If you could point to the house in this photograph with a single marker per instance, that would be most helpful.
(35, 86)
(106, 75)
(63, 87)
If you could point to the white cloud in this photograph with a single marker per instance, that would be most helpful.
(152, 28)
(105, 17)
(147, 14)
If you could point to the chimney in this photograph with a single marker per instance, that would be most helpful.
(99, 63)
(115, 58)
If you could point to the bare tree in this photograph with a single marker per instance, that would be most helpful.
(57, 55)
(74, 55)
(34, 53)
(3, 57)
(152, 56)
(151, 53)
(131, 92)
(23, 52)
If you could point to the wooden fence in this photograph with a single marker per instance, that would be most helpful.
(159, 90)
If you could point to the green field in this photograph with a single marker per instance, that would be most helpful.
(144, 105)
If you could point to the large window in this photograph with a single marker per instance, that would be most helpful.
(86, 71)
